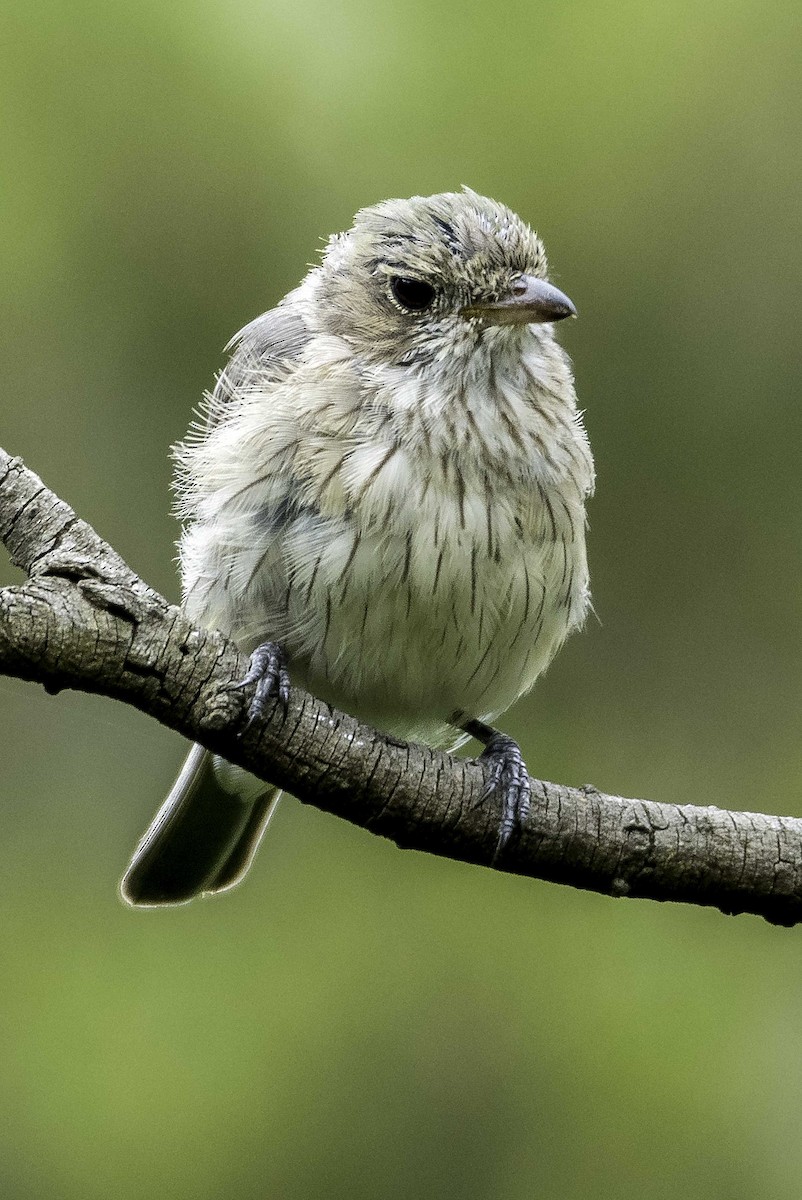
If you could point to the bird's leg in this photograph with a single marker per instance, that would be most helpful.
(268, 670)
(506, 775)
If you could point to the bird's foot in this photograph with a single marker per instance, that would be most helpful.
(268, 670)
(507, 776)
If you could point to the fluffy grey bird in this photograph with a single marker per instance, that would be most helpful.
(388, 483)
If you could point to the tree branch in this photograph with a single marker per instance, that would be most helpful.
(84, 620)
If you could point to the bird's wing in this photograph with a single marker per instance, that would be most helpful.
(262, 353)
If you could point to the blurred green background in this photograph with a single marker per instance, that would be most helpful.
(356, 1021)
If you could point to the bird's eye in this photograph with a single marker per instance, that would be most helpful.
(412, 294)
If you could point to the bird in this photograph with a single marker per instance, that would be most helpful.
(383, 500)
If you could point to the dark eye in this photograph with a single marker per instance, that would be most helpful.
(412, 294)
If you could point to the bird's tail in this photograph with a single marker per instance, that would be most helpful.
(202, 839)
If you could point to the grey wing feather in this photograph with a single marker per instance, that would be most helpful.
(263, 352)
(203, 838)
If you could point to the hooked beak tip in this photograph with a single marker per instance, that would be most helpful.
(531, 301)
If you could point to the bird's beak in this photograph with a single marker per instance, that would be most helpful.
(530, 301)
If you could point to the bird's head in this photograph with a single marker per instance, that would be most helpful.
(415, 280)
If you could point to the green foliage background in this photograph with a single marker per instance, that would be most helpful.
(356, 1021)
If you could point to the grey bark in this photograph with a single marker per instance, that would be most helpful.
(84, 620)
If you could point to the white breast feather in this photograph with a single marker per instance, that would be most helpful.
(418, 549)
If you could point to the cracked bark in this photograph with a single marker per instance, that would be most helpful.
(84, 620)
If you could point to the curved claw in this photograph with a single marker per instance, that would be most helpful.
(268, 670)
(507, 774)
